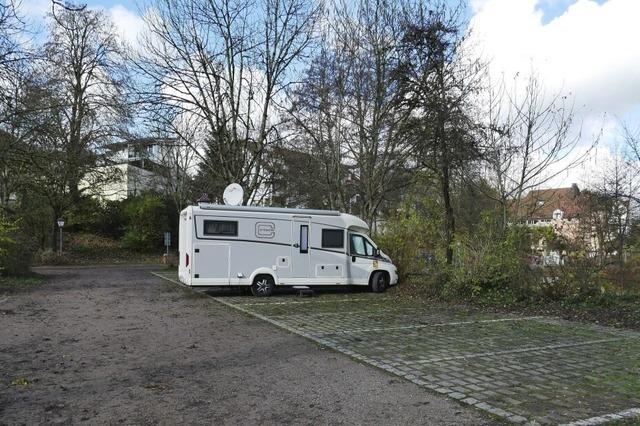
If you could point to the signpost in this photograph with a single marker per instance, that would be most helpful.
(60, 226)
(167, 241)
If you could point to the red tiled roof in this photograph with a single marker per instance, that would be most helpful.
(541, 203)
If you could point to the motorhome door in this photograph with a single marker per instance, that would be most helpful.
(300, 252)
(211, 263)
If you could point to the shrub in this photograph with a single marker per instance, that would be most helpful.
(490, 260)
(111, 218)
(16, 248)
(146, 220)
(105, 217)
(6, 242)
(82, 216)
(579, 277)
(409, 237)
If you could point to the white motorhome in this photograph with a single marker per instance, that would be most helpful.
(264, 247)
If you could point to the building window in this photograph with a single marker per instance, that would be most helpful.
(221, 227)
(332, 238)
(557, 214)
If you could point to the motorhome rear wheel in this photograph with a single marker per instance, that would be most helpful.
(262, 286)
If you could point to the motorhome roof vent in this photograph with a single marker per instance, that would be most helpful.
(204, 198)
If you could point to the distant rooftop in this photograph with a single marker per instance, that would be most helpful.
(140, 142)
(541, 203)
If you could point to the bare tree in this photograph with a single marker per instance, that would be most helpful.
(15, 129)
(530, 138)
(498, 149)
(67, 104)
(632, 141)
(11, 25)
(610, 208)
(84, 69)
(346, 112)
(222, 65)
(318, 113)
(71, 7)
(177, 162)
(12, 60)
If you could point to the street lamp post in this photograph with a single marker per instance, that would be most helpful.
(60, 225)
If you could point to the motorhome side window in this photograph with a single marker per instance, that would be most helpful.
(332, 238)
(221, 227)
(360, 246)
(304, 239)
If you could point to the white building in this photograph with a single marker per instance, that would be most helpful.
(133, 167)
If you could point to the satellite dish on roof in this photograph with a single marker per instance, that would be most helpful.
(233, 195)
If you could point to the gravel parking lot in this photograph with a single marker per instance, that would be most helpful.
(117, 345)
(522, 369)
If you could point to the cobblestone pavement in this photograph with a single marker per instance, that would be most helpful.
(523, 369)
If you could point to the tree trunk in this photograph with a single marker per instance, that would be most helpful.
(449, 223)
(54, 234)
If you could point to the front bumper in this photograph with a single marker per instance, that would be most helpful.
(394, 277)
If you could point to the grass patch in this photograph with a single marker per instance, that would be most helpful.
(14, 284)
(172, 274)
(91, 249)
(169, 273)
(635, 421)
(618, 310)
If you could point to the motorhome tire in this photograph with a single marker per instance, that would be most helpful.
(379, 282)
(262, 286)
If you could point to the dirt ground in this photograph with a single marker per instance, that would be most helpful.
(117, 345)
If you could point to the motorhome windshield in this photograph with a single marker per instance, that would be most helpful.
(361, 245)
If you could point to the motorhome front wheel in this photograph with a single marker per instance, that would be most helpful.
(379, 282)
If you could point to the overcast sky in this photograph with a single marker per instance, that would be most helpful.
(589, 48)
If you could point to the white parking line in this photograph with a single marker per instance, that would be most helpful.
(315, 314)
(442, 324)
(517, 351)
(605, 418)
(298, 302)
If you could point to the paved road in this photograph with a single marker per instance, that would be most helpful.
(118, 345)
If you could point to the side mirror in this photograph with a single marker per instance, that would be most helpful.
(376, 252)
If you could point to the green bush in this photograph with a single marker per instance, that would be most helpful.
(16, 248)
(105, 217)
(111, 219)
(7, 243)
(490, 260)
(146, 221)
(408, 235)
(579, 277)
(83, 216)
